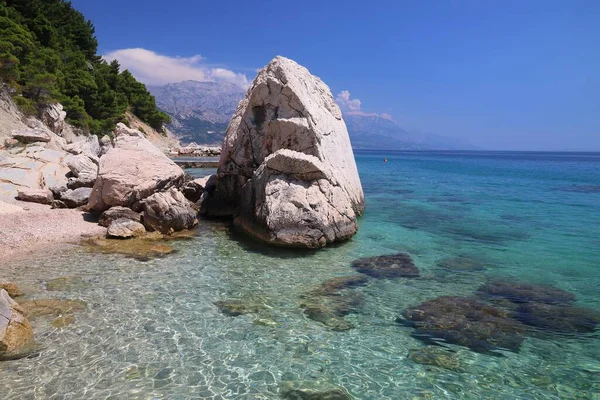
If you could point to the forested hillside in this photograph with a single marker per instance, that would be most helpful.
(48, 53)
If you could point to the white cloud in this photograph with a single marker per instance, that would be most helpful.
(155, 69)
(352, 106)
(346, 102)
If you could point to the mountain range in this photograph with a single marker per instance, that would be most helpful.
(200, 112)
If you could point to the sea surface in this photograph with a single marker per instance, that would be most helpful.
(151, 329)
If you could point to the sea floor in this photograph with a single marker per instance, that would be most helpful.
(163, 326)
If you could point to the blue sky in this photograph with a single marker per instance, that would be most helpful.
(499, 74)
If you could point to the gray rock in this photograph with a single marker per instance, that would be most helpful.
(115, 213)
(58, 204)
(42, 196)
(193, 190)
(76, 198)
(124, 228)
(82, 164)
(31, 135)
(105, 145)
(287, 172)
(131, 171)
(87, 145)
(312, 391)
(168, 212)
(57, 191)
(54, 117)
(82, 181)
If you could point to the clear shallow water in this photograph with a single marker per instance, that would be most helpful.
(151, 329)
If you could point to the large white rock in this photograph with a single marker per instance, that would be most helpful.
(131, 171)
(287, 172)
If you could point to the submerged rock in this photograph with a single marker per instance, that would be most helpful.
(334, 285)
(52, 307)
(461, 264)
(66, 283)
(236, 308)
(518, 292)
(16, 334)
(312, 391)
(131, 171)
(142, 248)
(11, 288)
(466, 322)
(558, 318)
(392, 266)
(287, 172)
(436, 356)
(124, 228)
(331, 310)
(62, 322)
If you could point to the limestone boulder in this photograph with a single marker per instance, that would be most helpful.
(16, 334)
(124, 228)
(287, 172)
(42, 196)
(76, 198)
(87, 145)
(30, 135)
(131, 171)
(194, 189)
(54, 117)
(168, 212)
(115, 213)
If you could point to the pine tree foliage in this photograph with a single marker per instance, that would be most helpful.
(48, 53)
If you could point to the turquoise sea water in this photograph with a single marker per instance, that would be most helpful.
(151, 329)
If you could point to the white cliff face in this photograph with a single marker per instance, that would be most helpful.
(287, 172)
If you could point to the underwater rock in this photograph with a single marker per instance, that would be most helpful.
(466, 322)
(558, 318)
(142, 248)
(518, 292)
(66, 283)
(461, 264)
(236, 308)
(312, 391)
(436, 356)
(11, 288)
(62, 322)
(390, 266)
(332, 286)
(331, 310)
(52, 307)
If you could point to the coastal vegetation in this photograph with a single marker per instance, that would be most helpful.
(48, 53)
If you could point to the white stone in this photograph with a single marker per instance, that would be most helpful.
(287, 171)
(131, 171)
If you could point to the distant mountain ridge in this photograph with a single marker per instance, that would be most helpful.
(200, 112)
